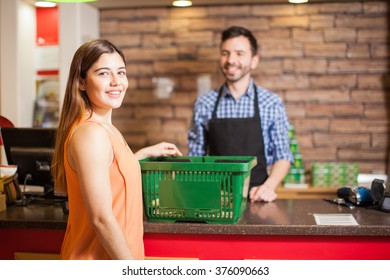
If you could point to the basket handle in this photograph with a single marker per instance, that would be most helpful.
(163, 159)
(230, 161)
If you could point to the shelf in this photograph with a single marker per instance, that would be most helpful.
(307, 193)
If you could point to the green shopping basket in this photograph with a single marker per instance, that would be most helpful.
(211, 189)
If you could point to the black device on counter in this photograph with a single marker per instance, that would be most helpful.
(362, 196)
(378, 188)
(31, 149)
(382, 198)
(358, 196)
(385, 205)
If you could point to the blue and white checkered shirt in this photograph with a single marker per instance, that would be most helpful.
(274, 121)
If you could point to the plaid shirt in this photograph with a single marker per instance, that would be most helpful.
(273, 117)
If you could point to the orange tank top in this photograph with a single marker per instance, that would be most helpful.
(80, 240)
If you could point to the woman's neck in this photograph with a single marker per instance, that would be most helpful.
(102, 116)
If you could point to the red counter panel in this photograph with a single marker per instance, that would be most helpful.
(221, 247)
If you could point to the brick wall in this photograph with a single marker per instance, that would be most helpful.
(328, 61)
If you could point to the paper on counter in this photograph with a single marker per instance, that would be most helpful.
(335, 220)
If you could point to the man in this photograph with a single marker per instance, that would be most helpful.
(241, 118)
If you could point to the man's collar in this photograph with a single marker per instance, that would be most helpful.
(250, 92)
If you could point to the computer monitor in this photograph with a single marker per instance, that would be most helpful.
(31, 149)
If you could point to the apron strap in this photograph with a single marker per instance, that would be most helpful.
(256, 103)
(214, 115)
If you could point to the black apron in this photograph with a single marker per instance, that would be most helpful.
(239, 137)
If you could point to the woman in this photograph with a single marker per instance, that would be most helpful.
(92, 163)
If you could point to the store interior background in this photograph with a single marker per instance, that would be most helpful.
(328, 60)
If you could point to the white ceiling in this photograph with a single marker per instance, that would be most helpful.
(106, 4)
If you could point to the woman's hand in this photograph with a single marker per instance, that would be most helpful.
(161, 149)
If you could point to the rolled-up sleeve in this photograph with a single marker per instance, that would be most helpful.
(197, 133)
(279, 140)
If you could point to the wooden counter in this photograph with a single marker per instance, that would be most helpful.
(284, 229)
(308, 193)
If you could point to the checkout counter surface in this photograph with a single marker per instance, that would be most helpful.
(282, 217)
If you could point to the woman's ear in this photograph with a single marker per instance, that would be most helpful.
(81, 85)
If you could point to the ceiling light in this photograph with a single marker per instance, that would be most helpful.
(44, 4)
(182, 3)
(298, 1)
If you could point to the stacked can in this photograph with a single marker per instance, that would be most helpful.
(296, 175)
(325, 174)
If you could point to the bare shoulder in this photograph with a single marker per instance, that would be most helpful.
(91, 135)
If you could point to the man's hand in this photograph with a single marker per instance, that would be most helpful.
(262, 193)
(266, 191)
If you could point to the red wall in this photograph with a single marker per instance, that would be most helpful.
(47, 26)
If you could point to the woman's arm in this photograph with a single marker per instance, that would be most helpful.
(91, 155)
(161, 149)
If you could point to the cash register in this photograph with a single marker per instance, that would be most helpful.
(31, 150)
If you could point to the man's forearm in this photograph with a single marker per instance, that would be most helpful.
(278, 171)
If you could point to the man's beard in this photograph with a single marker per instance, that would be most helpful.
(243, 71)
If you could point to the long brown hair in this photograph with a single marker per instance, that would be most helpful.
(76, 103)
